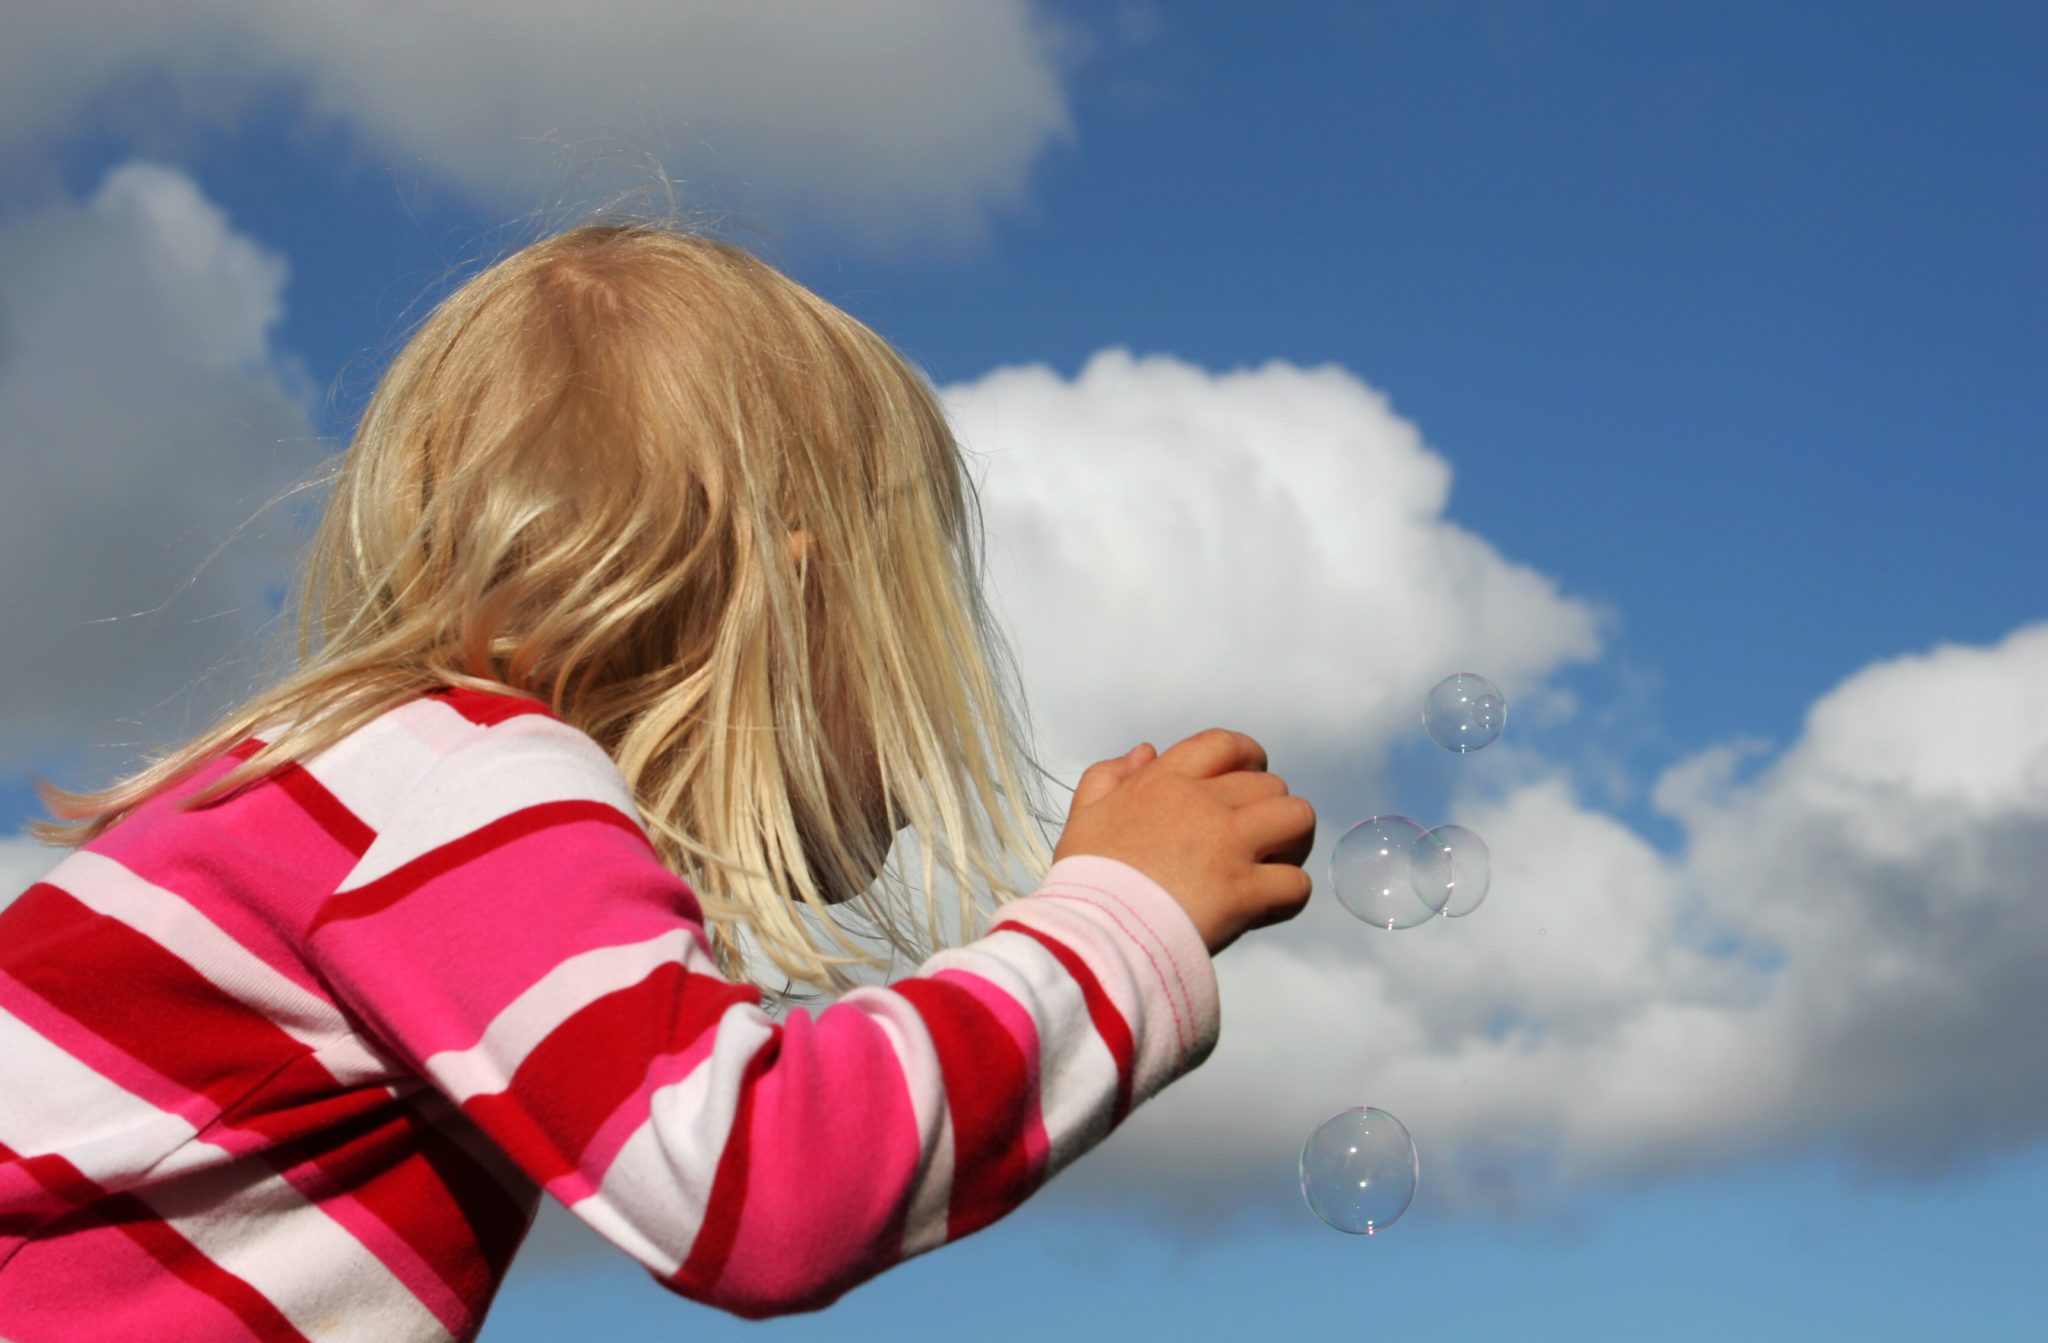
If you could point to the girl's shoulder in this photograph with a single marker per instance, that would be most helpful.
(452, 764)
(482, 751)
(502, 746)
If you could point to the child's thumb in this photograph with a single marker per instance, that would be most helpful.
(1103, 776)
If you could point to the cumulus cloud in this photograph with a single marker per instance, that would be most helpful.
(1263, 548)
(1841, 956)
(147, 416)
(884, 120)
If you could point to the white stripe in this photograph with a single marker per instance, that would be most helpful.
(525, 762)
(1090, 930)
(370, 770)
(169, 920)
(354, 1061)
(251, 1221)
(573, 984)
(652, 1200)
(1077, 1074)
(54, 1103)
(932, 1203)
(1155, 960)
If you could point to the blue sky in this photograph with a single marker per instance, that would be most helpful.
(1729, 321)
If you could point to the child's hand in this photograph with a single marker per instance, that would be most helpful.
(1206, 822)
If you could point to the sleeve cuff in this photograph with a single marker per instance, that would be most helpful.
(1172, 965)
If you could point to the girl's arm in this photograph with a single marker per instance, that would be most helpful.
(511, 935)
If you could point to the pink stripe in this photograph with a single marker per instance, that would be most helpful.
(846, 1200)
(520, 910)
(27, 1205)
(1017, 1021)
(262, 837)
(94, 1284)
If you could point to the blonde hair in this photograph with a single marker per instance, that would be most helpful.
(578, 481)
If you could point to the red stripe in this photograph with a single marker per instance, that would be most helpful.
(495, 1219)
(715, 1238)
(66, 1186)
(140, 1223)
(321, 806)
(988, 1093)
(394, 886)
(486, 709)
(1109, 1023)
(140, 998)
(302, 1101)
(574, 1080)
(324, 809)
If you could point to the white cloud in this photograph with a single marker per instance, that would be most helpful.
(147, 416)
(1845, 958)
(1265, 549)
(885, 120)
(1844, 955)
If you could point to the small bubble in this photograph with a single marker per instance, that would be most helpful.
(1464, 712)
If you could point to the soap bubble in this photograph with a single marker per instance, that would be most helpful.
(1358, 1170)
(1464, 877)
(1387, 872)
(1464, 712)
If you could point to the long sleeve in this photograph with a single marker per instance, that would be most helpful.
(511, 936)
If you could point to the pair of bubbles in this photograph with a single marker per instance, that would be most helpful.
(1359, 1168)
(1393, 873)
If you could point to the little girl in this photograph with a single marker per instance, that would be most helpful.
(645, 610)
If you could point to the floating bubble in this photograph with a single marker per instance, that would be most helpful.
(1385, 876)
(1358, 1170)
(1464, 712)
(1457, 884)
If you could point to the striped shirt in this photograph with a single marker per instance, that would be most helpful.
(300, 1064)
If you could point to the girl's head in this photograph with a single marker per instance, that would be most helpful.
(714, 522)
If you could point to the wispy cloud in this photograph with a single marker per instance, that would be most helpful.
(883, 121)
